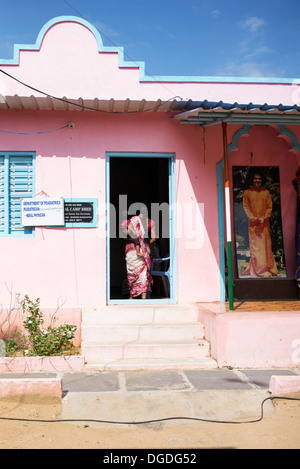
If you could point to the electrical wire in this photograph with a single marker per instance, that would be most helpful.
(144, 422)
(82, 106)
(87, 107)
(34, 133)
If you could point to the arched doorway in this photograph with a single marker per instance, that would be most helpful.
(263, 145)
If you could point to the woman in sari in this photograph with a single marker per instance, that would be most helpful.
(138, 267)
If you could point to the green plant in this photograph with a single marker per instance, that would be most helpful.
(14, 343)
(44, 341)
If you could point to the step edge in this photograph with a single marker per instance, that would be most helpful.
(198, 342)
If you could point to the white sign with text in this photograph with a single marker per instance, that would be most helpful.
(44, 211)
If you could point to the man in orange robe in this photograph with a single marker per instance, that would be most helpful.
(257, 204)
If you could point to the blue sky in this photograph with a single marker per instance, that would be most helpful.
(176, 37)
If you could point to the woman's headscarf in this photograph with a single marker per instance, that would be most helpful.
(140, 232)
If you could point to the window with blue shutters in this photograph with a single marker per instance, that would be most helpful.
(16, 182)
(1, 194)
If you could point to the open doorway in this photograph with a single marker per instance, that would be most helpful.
(134, 179)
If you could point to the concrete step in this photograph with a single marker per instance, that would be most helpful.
(110, 409)
(137, 364)
(121, 337)
(145, 349)
(129, 332)
(136, 314)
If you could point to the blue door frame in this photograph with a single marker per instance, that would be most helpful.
(172, 226)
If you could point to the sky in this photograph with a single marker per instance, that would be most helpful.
(257, 38)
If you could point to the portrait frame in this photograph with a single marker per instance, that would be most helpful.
(242, 177)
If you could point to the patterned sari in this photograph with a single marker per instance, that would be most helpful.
(138, 268)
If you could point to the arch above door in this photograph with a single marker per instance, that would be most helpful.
(293, 147)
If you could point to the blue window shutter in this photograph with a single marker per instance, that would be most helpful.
(2, 208)
(17, 177)
(20, 186)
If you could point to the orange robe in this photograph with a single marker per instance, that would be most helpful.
(258, 204)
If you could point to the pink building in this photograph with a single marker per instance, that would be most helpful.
(82, 126)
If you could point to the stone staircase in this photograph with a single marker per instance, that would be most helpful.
(134, 337)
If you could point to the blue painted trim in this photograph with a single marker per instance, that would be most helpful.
(138, 64)
(6, 196)
(217, 79)
(94, 223)
(246, 130)
(138, 155)
(107, 198)
(43, 31)
(234, 145)
(173, 238)
(7, 155)
(141, 302)
(172, 201)
(291, 136)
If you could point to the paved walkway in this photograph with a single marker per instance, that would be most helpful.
(162, 397)
(169, 380)
(161, 380)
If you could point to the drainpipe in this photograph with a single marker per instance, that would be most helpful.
(228, 216)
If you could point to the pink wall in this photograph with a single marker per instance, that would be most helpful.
(272, 149)
(253, 340)
(69, 265)
(11, 320)
(68, 63)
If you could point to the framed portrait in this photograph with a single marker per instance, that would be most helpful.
(257, 222)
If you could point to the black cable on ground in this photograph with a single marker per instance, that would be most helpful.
(153, 420)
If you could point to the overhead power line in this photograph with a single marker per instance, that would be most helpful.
(82, 106)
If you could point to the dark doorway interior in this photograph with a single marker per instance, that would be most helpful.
(144, 180)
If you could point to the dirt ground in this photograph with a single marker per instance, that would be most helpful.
(280, 430)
